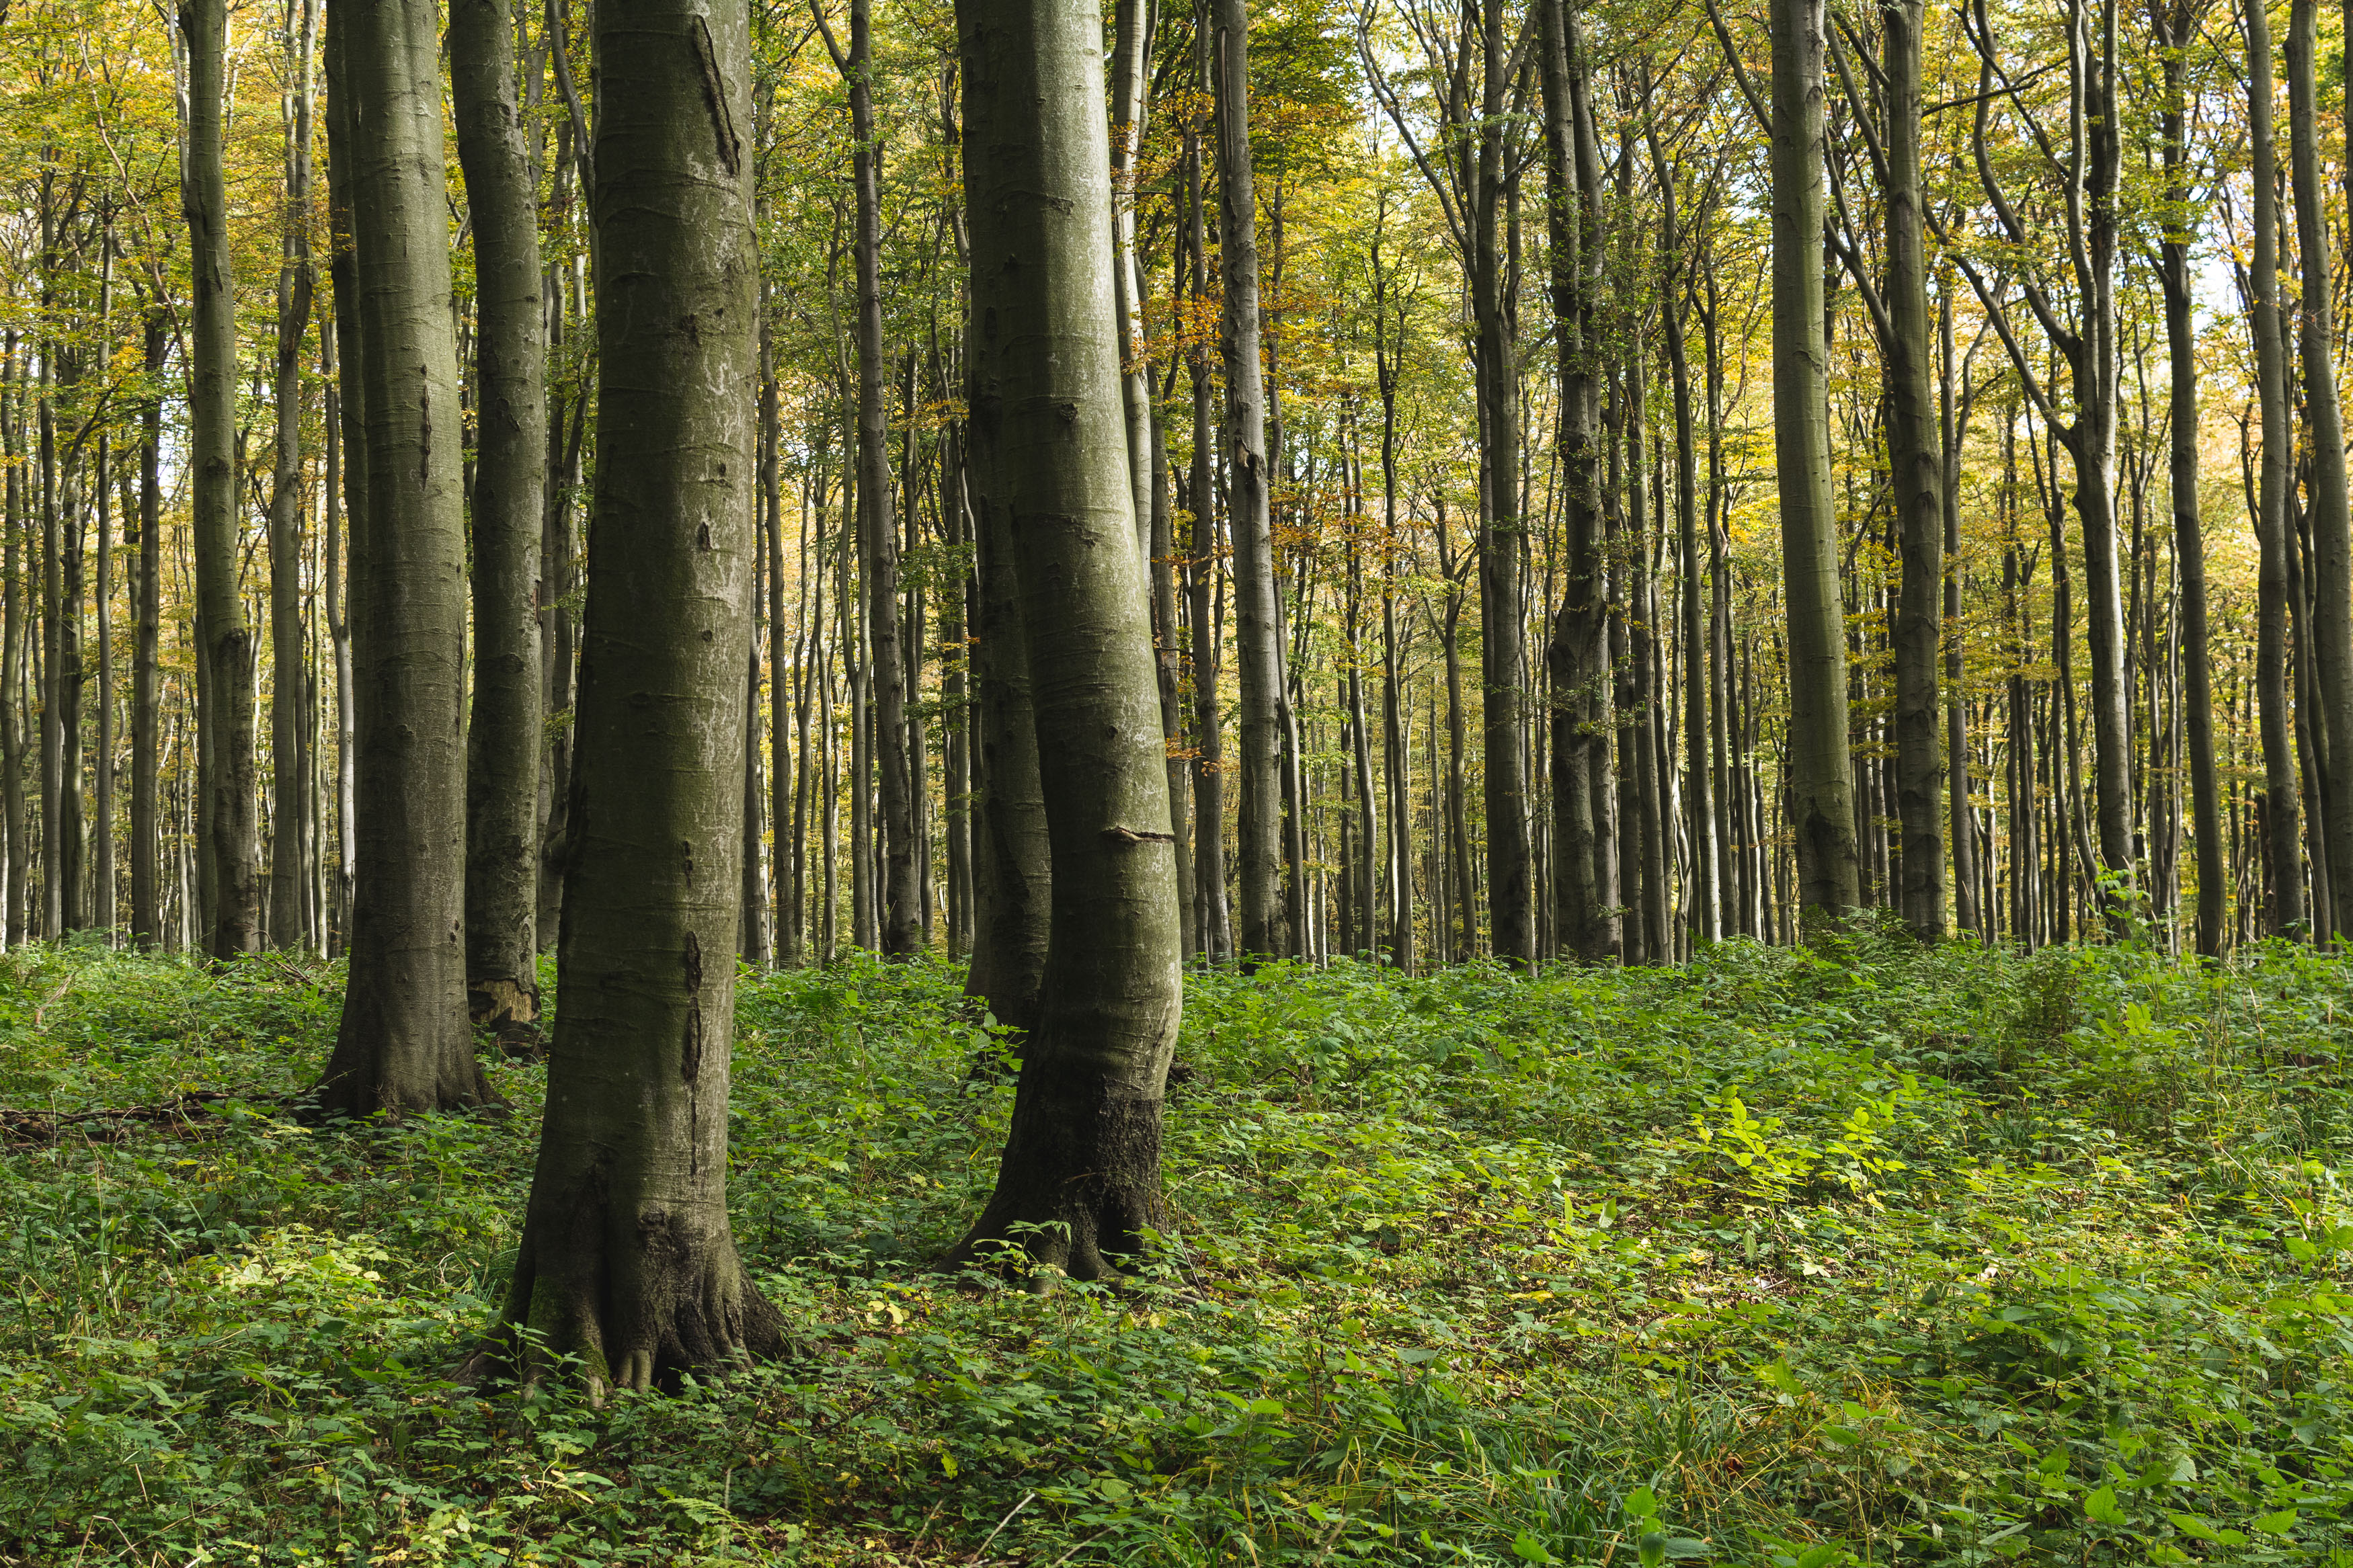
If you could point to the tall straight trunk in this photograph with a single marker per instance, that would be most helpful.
(1574, 648)
(12, 631)
(1079, 1182)
(1971, 914)
(103, 903)
(783, 817)
(1503, 542)
(1208, 654)
(289, 718)
(627, 1260)
(2332, 532)
(503, 729)
(1258, 840)
(1465, 945)
(345, 483)
(225, 642)
(146, 694)
(1820, 788)
(901, 914)
(1915, 454)
(752, 922)
(1132, 26)
(1706, 920)
(1395, 761)
(402, 1044)
(2176, 24)
(2283, 810)
(1169, 663)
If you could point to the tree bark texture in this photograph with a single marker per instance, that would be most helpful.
(627, 1257)
(402, 1044)
(1822, 789)
(503, 731)
(1050, 451)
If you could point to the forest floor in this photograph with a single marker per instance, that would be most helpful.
(1784, 1259)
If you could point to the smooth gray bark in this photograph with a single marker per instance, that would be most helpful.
(502, 730)
(1049, 458)
(626, 1258)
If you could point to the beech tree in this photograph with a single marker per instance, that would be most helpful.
(626, 1258)
(403, 1043)
(1078, 1184)
(503, 729)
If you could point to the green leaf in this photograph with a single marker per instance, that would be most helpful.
(2194, 1527)
(1528, 1549)
(2278, 1523)
(1642, 1503)
(2101, 1506)
(1777, 1372)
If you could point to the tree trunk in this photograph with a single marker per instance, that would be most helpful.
(289, 718)
(900, 913)
(2176, 24)
(1013, 870)
(2283, 810)
(626, 1258)
(402, 1044)
(1573, 651)
(1082, 1159)
(12, 631)
(2332, 537)
(146, 889)
(1820, 788)
(1258, 840)
(1210, 896)
(502, 734)
(225, 642)
(1915, 454)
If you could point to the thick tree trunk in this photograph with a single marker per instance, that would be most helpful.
(402, 1044)
(1821, 790)
(626, 1258)
(225, 642)
(2332, 535)
(503, 731)
(1915, 454)
(1258, 616)
(1081, 1159)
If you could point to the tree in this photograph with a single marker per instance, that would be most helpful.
(403, 1043)
(1259, 833)
(1821, 784)
(626, 1258)
(2332, 535)
(1081, 1159)
(225, 639)
(502, 730)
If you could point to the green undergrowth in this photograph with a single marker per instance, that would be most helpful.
(1785, 1259)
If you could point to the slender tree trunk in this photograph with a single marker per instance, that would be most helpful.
(1572, 654)
(901, 914)
(627, 1260)
(12, 632)
(1258, 845)
(1821, 790)
(146, 890)
(1217, 938)
(289, 718)
(1919, 463)
(2177, 25)
(402, 1044)
(225, 641)
(2332, 538)
(1080, 1173)
(503, 731)
(2282, 811)
(1971, 914)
